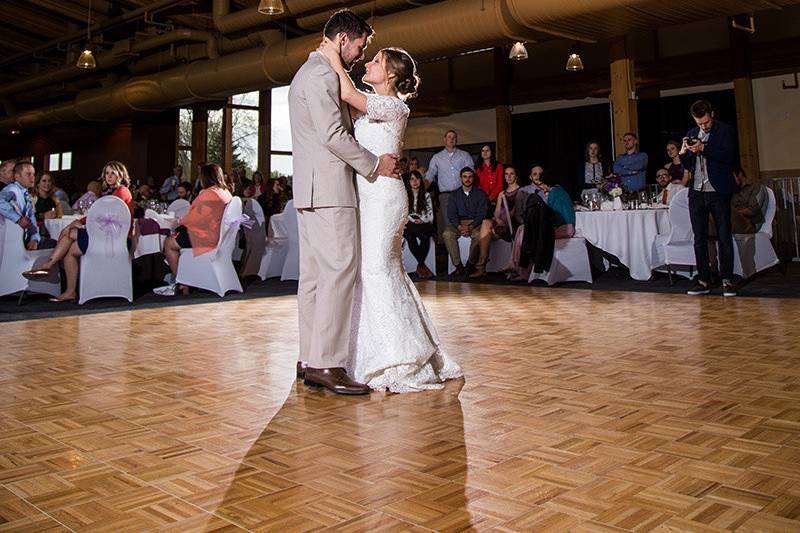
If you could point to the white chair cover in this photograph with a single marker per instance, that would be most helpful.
(214, 270)
(180, 207)
(463, 250)
(277, 244)
(570, 263)
(106, 265)
(410, 262)
(291, 266)
(15, 259)
(256, 239)
(754, 252)
(676, 248)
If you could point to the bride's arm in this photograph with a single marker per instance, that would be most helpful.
(352, 96)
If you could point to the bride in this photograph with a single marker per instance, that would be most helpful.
(393, 343)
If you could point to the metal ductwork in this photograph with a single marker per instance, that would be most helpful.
(365, 9)
(427, 32)
(118, 54)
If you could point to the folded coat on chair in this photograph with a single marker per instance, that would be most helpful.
(539, 238)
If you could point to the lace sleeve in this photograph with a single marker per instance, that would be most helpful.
(385, 108)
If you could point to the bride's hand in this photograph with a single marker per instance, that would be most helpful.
(331, 50)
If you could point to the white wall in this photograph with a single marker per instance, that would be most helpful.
(472, 127)
(777, 123)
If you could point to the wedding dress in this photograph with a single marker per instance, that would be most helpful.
(393, 343)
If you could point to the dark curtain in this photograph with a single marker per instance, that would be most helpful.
(557, 139)
(668, 118)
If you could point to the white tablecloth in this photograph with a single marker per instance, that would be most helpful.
(628, 235)
(56, 225)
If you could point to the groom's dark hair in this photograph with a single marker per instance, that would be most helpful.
(345, 21)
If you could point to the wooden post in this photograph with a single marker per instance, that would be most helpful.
(623, 92)
(227, 136)
(265, 132)
(199, 138)
(745, 109)
(503, 79)
(503, 120)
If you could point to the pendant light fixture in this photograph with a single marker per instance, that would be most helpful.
(86, 59)
(574, 63)
(518, 51)
(270, 7)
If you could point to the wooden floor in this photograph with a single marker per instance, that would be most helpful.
(580, 411)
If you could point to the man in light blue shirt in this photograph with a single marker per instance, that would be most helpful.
(631, 166)
(16, 204)
(169, 190)
(445, 170)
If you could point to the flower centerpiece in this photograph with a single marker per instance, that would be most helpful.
(610, 186)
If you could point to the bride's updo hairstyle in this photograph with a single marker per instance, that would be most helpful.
(404, 68)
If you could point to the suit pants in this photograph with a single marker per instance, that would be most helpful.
(329, 261)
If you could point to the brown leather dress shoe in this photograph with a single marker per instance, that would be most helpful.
(301, 369)
(335, 380)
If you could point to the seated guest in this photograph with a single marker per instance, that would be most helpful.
(534, 175)
(275, 198)
(256, 187)
(169, 190)
(593, 167)
(45, 203)
(92, 190)
(200, 228)
(403, 166)
(16, 203)
(562, 216)
(489, 173)
(675, 168)
(466, 211)
(413, 164)
(419, 228)
(143, 195)
(749, 205)
(666, 188)
(74, 239)
(185, 191)
(7, 172)
(632, 165)
(246, 189)
(506, 218)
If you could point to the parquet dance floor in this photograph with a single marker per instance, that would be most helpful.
(580, 411)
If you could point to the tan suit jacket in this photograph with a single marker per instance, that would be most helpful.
(324, 150)
(325, 155)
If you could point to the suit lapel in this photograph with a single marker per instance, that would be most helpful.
(343, 106)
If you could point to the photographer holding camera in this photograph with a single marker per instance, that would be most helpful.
(708, 151)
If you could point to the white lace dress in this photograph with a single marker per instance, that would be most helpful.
(394, 345)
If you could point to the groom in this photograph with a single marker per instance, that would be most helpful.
(325, 154)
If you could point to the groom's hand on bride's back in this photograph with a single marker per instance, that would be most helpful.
(387, 166)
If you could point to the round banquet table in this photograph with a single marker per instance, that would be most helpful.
(627, 234)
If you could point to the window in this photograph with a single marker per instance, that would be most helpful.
(281, 133)
(56, 162)
(244, 131)
(185, 117)
(216, 142)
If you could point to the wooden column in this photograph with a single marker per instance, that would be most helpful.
(623, 92)
(265, 132)
(227, 136)
(199, 139)
(503, 80)
(503, 114)
(745, 109)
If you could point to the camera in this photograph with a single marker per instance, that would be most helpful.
(692, 141)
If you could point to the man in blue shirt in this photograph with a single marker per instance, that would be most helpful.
(631, 166)
(709, 152)
(169, 190)
(16, 204)
(445, 170)
(7, 173)
(466, 211)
